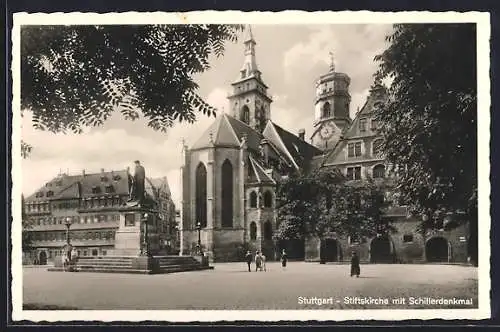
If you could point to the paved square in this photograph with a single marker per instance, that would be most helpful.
(230, 286)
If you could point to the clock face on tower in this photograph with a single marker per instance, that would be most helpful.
(327, 130)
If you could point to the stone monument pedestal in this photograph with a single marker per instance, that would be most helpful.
(202, 259)
(129, 237)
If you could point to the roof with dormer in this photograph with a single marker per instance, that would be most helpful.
(65, 186)
(160, 184)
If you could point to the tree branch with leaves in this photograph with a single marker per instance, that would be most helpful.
(429, 122)
(76, 76)
(324, 202)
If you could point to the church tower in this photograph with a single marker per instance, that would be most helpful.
(249, 101)
(331, 111)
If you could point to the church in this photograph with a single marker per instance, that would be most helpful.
(229, 176)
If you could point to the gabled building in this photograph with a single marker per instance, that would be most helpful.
(229, 175)
(357, 154)
(358, 151)
(229, 181)
(92, 204)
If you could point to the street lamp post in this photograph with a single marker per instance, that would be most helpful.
(177, 238)
(68, 225)
(198, 227)
(145, 243)
(67, 222)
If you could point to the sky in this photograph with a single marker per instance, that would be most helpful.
(290, 57)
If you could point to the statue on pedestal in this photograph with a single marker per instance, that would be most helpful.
(137, 189)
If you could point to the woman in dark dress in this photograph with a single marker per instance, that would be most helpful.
(355, 269)
(284, 258)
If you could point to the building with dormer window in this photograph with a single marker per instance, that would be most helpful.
(93, 203)
(229, 176)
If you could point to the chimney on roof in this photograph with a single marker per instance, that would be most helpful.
(83, 172)
(302, 134)
(103, 176)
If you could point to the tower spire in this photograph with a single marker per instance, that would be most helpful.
(249, 35)
(249, 101)
(332, 61)
(249, 67)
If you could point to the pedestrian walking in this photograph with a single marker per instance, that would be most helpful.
(258, 261)
(284, 258)
(65, 261)
(248, 258)
(355, 269)
(74, 256)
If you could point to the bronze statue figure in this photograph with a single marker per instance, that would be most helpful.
(137, 189)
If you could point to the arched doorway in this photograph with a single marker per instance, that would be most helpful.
(436, 250)
(472, 249)
(42, 258)
(329, 250)
(381, 250)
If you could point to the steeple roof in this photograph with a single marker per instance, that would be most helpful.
(249, 68)
(249, 34)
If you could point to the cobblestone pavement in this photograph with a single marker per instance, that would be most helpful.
(230, 286)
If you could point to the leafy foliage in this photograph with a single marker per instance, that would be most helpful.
(323, 202)
(76, 76)
(428, 123)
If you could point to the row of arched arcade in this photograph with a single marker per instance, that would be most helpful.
(382, 250)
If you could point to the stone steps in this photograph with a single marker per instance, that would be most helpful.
(121, 269)
(129, 264)
(104, 263)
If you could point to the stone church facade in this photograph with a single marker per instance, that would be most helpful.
(229, 177)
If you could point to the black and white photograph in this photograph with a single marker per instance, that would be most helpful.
(225, 166)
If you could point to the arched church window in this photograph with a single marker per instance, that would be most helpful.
(253, 231)
(379, 171)
(326, 110)
(201, 195)
(227, 194)
(268, 231)
(245, 114)
(253, 199)
(268, 199)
